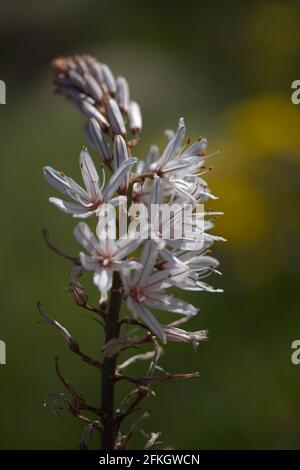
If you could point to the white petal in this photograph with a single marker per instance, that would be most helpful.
(207, 287)
(64, 184)
(88, 263)
(125, 277)
(56, 179)
(172, 260)
(107, 244)
(86, 238)
(117, 177)
(89, 173)
(126, 246)
(196, 148)
(179, 335)
(204, 262)
(173, 146)
(103, 280)
(171, 304)
(71, 208)
(118, 201)
(170, 134)
(157, 193)
(191, 245)
(181, 187)
(157, 280)
(147, 261)
(191, 284)
(146, 316)
(183, 166)
(125, 265)
(152, 156)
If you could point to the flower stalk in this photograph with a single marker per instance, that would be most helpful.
(108, 372)
(140, 267)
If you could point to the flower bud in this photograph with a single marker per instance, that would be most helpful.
(97, 140)
(120, 154)
(93, 88)
(90, 111)
(135, 117)
(109, 79)
(115, 118)
(122, 96)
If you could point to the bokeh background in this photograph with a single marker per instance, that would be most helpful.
(227, 67)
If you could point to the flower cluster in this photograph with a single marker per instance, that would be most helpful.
(147, 269)
(138, 270)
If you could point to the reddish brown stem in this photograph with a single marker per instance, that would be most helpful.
(112, 329)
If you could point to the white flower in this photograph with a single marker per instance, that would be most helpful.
(143, 166)
(141, 190)
(193, 267)
(198, 261)
(89, 199)
(106, 256)
(182, 336)
(176, 224)
(178, 166)
(177, 255)
(145, 289)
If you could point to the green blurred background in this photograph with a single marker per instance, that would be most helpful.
(227, 67)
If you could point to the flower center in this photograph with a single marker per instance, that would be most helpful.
(137, 293)
(95, 204)
(106, 262)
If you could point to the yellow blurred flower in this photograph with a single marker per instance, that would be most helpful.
(260, 153)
